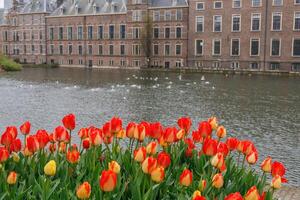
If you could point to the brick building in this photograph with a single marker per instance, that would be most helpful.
(230, 34)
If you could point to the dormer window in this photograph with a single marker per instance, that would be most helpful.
(76, 9)
(94, 8)
(62, 10)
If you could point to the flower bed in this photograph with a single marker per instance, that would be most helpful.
(153, 162)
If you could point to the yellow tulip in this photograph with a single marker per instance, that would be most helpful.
(12, 178)
(50, 168)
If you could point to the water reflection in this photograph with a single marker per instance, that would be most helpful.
(264, 109)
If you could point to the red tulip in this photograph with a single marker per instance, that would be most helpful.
(25, 128)
(7, 139)
(108, 181)
(16, 145)
(245, 147)
(156, 130)
(95, 136)
(223, 148)
(170, 135)
(232, 143)
(234, 196)
(190, 143)
(205, 129)
(43, 138)
(32, 143)
(186, 178)
(163, 159)
(12, 130)
(185, 123)
(116, 124)
(69, 122)
(151, 148)
(106, 129)
(73, 156)
(197, 137)
(61, 134)
(52, 147)
(210, 147)
(4, 154)
(83, 133)
(199, 198)
(147, 127)
(86, 143)
(278, 169)
(108, 140)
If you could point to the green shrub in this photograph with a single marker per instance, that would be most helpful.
(8, 64)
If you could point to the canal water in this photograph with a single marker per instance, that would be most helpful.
(265, 109)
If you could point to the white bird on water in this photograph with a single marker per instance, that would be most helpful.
(180, 77)
(169, 87)
(202, 78)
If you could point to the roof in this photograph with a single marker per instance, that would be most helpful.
(1, 16)
(74, 7)
(35, 6)
(168, 3)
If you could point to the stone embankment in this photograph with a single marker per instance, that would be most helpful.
(288, 193)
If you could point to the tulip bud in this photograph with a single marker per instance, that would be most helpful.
(149, 165)
(202, 185)
(52, 148)
(158, 174)
(221, 132)
(114, 166)
(266, 165)
(12, 178)
(151, 148)
(234, 196)
(252, 194)
(180, 134)
(84, 191)
(25, 128)
(252, 157)
(50, 168)
(186, 178)
(163, 159)
(86, 143)
(196, 194)
(140, 154)
(217, 181)
(16, 157)
(276, 182)
(108, 181)
(62, 147)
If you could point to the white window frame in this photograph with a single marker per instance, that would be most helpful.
(218, 2)
(176, 49)
(154, 15)
(271, 43)
(177, 11)
(214, 24)
(166, 13)
(252, 14)
(295, 20)
(295, 3)
(196, 47)
(203, 18)
(239, 46)
(170, 49)
(273, 13)
(273, 3)
(240, 27)
(252, 5)
(234, 1)
(203, 3)
(213, 47)
(165, 32)
(250, 52)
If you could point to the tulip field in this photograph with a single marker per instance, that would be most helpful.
(138, 161)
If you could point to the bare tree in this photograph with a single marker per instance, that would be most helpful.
(146, 38)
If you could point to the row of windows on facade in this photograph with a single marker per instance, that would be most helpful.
(136, 32)
(238, 4)
(276, 24)
(16, 36)
(275, 47)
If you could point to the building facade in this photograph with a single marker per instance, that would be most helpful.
(258, 35)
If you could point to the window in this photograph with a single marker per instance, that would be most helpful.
(90, 32)
(178, 49)
(155, 49)
(218, 4)
(276, 21)
(100, 32)
(277, 2)
(156, 16)
(200, 6)
(70, 49)
(61, 49)
(61, 33)
(256, 3)
(178, 15)
(199, 24)
(274, 66)
(111, 49)
(111, 62)
(254, 47)
(111, 31)
(70, 33)
(296, 47)
(136, 33)
(167, 49)
(168, 15)
(297, 2)
(136, 49)
(178, 32)
(79, 33)
(80, 52)
(80, 61)
(254, 65)
(178, 63)
(255, 22)
(236, 3)
(122, 63)
(297, 21)
(51, 49)
(167, 32)
(136, 1)
(156, 33)
(51, 34)
(235, 47)
(136, 63)
(236, 23)
(122, 31)
(216, 47)
(136, 15)
(100, 49)
(295, 67)
(122, 49)
(41, 49)
(199, 47)
(275, 47)
(217, 23)
(90, 49)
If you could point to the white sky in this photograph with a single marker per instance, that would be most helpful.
(1, 3)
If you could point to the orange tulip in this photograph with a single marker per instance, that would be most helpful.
(218, 181)
(170, 135)
(210, 147)
(252, 157)
(12, 178)
(61, 134)
(266, 165)
(52, 148)
(121, 134)
(196, 195)
(84, 191)
(140, 154)
(252, 194)
(95, 136)
(73, 156)
(180, 135)
(186, 178)
(4, 154)
(12, 130)
(83, 133)
(213, 122)
(131, 130)
(149, 164)
(158, 174)
(234, 196)
(163, 159)
(114, 166)
(141, 133)
(151, 148)
(217, 161)
(62, 147)
(69, 122)
(221, 132)
(25, 128)
(108, 180)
